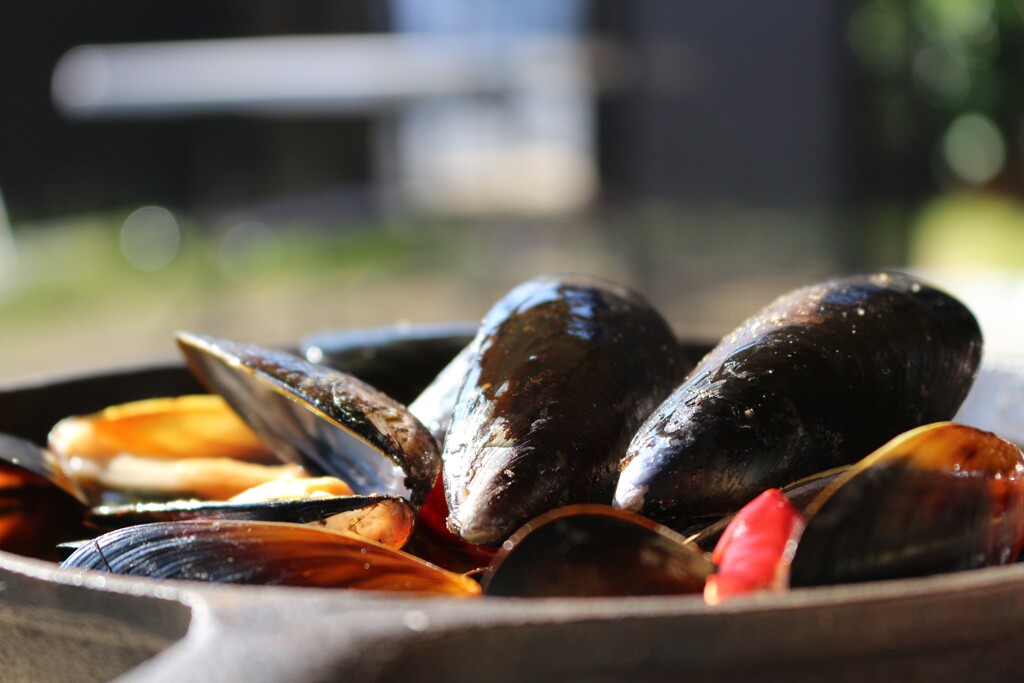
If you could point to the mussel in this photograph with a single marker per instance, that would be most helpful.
(328, 421)
(565, 368)
(939, 498)
(269, 553)
(595, 550)
(818, 379)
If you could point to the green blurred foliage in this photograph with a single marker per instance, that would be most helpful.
(941, 77)
(943, 123)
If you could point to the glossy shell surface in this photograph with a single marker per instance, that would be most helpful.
(326, 420)
(595, 550)
(565, 370)
(818, 379)
(262, 553)
(940, 498)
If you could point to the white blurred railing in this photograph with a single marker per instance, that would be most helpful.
(468, 125)
(304, 74)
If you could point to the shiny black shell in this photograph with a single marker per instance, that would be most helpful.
(818, 379)
(595, 550)
(941, 498)
(326, 420)
(566, 368)
(261, 553)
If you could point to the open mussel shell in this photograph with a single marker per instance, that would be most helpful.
(818, 379)
(940, 498)
(385, 519)
(565, 368)
(327, 421)
(263, 553)
(595, 550)
(39, 506)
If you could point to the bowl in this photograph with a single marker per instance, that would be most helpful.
(55, 626)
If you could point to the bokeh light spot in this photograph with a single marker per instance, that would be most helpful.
(974, 149)
(150, 238)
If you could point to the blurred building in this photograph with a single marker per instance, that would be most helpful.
(610, 101)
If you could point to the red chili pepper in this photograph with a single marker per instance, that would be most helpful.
(756, 548)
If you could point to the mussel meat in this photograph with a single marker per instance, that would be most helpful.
(178, 447)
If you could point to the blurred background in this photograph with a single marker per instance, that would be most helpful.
(263, 170)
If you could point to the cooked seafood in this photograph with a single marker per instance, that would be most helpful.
(565, 369)
(134, 477)
(303, 488)
(263, 553)
(325, 420)
(191, 426)
(595, 550)
(818, 379)
(434, 542)
(543, 401)
(185, 446)
(940, 498)
(399, 360)
(18, 455)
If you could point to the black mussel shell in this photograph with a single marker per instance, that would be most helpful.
(327, 421)
(566, 368)
(40, 506)
(818, 379)
(595, 550)
(385, 519)
(262, 553)
(940, 498)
